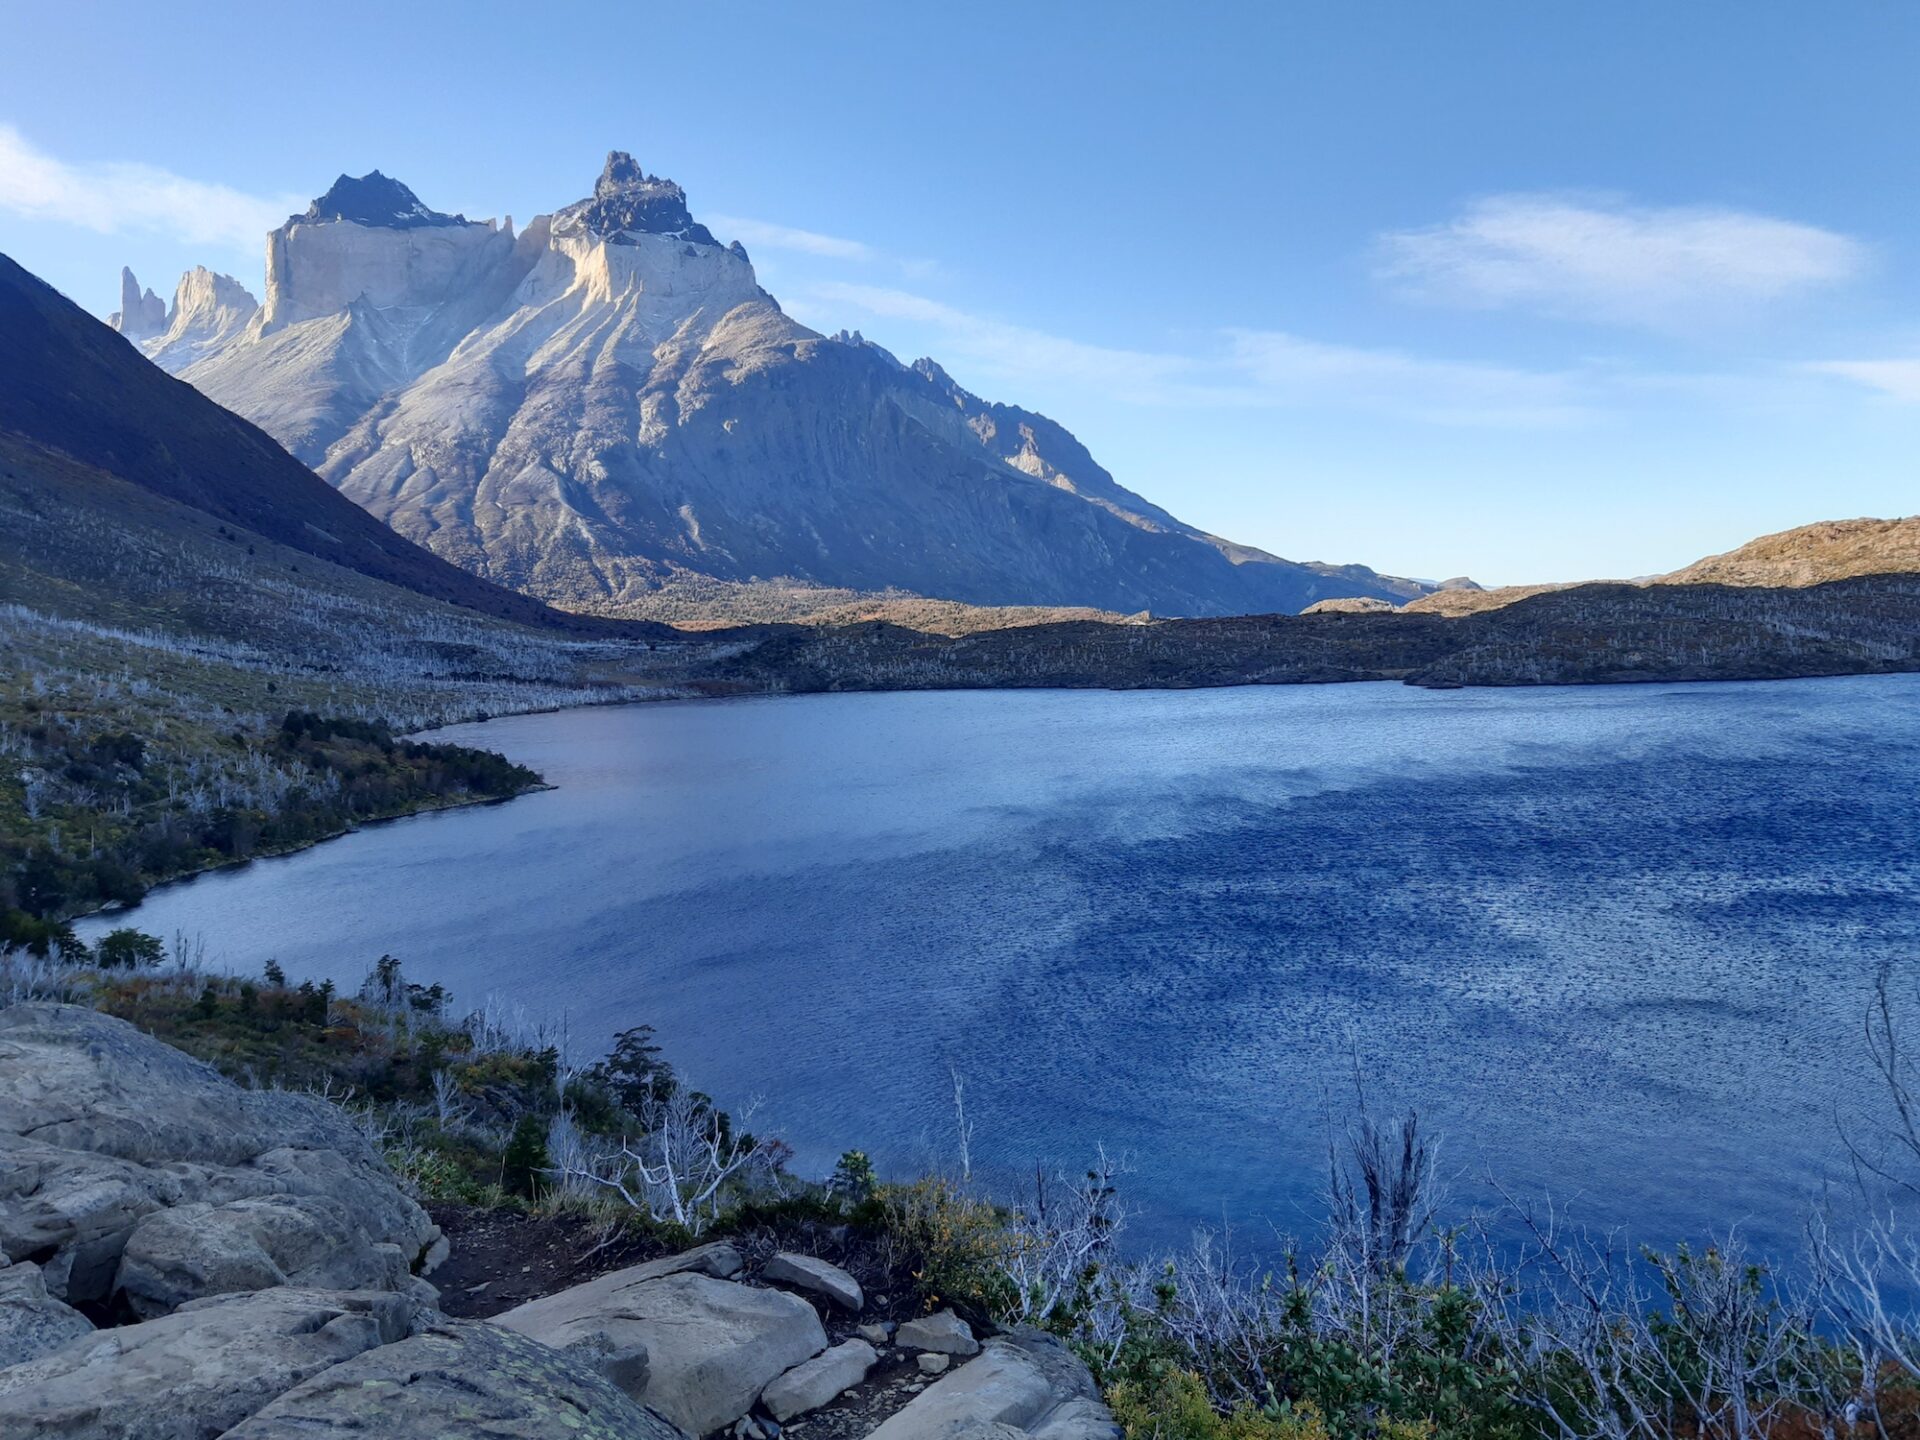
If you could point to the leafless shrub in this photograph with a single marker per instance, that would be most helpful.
(685, 1167)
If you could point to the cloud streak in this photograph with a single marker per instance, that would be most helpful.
(765, 235)
(1604, 259)
(1897, 379)
(1261, 369)
(116, 197)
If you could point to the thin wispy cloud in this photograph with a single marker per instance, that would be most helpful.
(1001, 347)
(765, 235)
(1245, 368)
(1603, 258)
(1897, 379)
(118, 197)
(1439, 391)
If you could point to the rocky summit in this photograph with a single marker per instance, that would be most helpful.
(608, 402)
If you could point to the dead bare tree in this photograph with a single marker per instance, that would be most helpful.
(684, 1167)
(1062, 1233)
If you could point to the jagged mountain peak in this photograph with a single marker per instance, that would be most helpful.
(141, 314)
(608, 401)
(627, 201)
(374, 200)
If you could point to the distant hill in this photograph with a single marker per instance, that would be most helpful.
(1813, 554)
(1472, 602)
(72, 386)
(1790, 559)
(607, 404)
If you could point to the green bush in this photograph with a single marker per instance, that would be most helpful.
(128, 949)
(1172, 1404)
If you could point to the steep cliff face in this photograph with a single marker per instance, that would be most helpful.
(610, 400)
(140, 314)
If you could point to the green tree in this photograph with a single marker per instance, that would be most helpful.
(128, 949)
(522, 1167)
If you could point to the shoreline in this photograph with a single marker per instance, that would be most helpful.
(287, 852)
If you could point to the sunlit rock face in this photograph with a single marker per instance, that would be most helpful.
(370, 241)
(209, 312)
(140, 314)
(609, 399)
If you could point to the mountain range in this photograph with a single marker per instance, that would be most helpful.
(606, 405)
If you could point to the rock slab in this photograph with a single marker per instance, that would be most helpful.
(455, 1380)
(197, 1372)
(816, 1382)
(804, 1272)
(1025, 1383)
(712, 1346)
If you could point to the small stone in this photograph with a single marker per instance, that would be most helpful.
(932, 1364)
(876, 1334)
(945, 1333)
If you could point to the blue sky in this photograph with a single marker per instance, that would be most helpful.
(1524, 291)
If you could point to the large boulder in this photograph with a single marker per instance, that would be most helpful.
(191, 1251)
(455, 1380)
(1023, 1384)
(102, 1127)
(197, 1372)
(712, 1346)
(32, 1322)
(943, 1334)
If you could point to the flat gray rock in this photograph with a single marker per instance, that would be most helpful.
(803, 1272)
(197, 1372)
(32, 1322)
(457, 1380)
(816, 1382)
(944, 1333)
(712, 1346)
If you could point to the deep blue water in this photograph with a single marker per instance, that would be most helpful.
(1614, 942)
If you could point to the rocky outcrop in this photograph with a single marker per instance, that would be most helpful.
(1026, 1383)
(453, 1381)
(609, 401)
(270, 1257)
(197, 1372)
(317, 1241)
(104, 1131)
(712, 1346)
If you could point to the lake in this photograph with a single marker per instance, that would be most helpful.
(1615, 943)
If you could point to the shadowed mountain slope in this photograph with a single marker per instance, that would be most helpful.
(70, 385)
